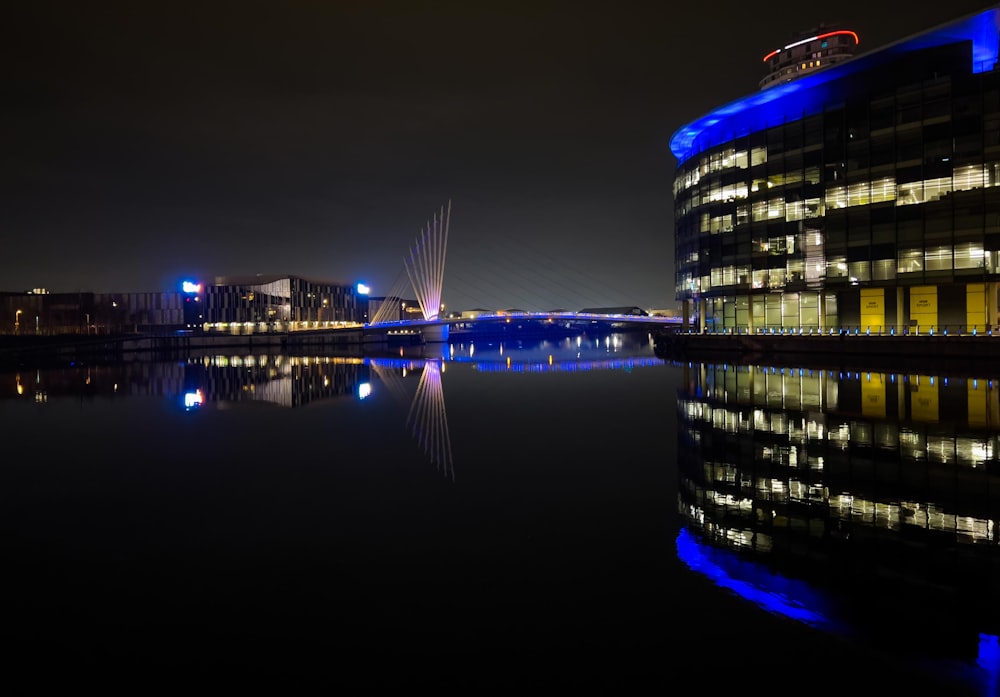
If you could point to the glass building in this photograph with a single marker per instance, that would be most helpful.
(279, 303)
(851, 191)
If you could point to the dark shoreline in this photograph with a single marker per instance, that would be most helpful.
(40, 351)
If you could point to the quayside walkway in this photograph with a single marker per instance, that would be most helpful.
(838, 347)
(23, 350)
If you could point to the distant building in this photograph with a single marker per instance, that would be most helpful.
(280, 303)
(44, 313)
(624, 310)
(258, 303)
(391, 309)
(476, 312)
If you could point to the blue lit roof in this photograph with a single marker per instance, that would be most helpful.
(805, 96)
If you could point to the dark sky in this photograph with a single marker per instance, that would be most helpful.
(144, 142)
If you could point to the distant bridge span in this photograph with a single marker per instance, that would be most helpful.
(425, 274)
(437, 330)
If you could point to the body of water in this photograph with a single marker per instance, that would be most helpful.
(516, 517)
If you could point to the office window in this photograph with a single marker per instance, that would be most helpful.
(938, 259)
(813, 208)
(795, 270)
(883, 269)
(859, 271)
(968, 177)
(859, 194)
(759, 278)
(742, 214)
(969, 256)
(775, 208)
(759, 210)
(883, 189)
(910, 261)
(836, 267)
(836, 197)
(794, 210)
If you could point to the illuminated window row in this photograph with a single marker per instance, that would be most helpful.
(864, 193)
(844, 506)
(719, 161)
(964, 256)
(940, 449)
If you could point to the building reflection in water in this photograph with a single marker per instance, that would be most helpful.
(219, 380)
(284, 381)
(853, 501)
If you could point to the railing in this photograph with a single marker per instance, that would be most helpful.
(852, 330)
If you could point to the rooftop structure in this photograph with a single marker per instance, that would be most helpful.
(819, 48)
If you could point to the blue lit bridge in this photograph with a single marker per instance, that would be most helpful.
(424, 279)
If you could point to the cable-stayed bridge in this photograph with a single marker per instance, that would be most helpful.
(424, 279)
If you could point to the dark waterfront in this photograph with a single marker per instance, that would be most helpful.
(523, 518)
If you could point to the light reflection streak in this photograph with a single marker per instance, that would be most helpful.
(772, 592)
(577, 366)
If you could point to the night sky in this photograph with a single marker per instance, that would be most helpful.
(146, 142)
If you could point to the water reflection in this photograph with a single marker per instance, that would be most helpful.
(574, 354)
(206, 380)
(859, 502)
(427, 418)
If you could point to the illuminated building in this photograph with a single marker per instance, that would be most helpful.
(252, 304)
(860, 192)
(269, 303)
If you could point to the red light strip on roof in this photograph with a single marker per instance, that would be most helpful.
(776, 51)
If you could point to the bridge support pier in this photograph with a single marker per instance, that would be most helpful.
(434, 333)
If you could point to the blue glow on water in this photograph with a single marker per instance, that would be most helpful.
(527, 366)
(989, 660)
(807, 95)
(772, 592)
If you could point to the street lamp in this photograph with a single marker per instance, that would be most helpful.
(17, 320)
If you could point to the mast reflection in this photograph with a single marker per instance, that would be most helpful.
(427, 418)
(854, 501)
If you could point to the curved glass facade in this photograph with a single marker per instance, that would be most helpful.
(862, 196)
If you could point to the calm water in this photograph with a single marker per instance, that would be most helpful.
(534, 518)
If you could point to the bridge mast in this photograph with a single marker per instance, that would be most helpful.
(425, 265)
